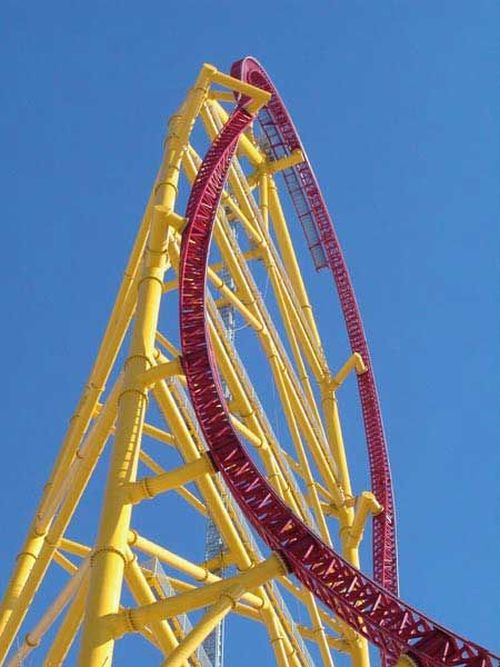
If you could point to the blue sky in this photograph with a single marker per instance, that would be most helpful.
(397, 104)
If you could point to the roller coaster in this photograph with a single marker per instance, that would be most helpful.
(224, 409)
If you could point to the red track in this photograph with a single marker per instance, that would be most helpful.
(365, 605)
(326, 252)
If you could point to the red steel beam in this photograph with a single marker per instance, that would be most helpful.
(373, 611)
(326, 251)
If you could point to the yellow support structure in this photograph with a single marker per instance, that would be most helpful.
(67, 630)
(108, 560)
(226, 603)
(149, 487)
(295, 437)
(116, 625)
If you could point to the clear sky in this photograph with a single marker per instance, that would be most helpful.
(397, 103)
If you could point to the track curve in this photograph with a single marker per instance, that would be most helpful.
(326, 252)
(373, 611)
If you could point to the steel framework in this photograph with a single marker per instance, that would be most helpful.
(190, 428)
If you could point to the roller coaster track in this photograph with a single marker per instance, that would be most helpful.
(367, 606)
(326, 252)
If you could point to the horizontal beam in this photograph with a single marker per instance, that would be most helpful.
(132, 620)
(149, 487)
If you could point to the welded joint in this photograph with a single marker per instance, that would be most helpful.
(26, 554)
(107, 549)
(232, 595)
(160, 372)
(169, 218)
(128, 618)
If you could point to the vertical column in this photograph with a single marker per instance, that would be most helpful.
(109, 557)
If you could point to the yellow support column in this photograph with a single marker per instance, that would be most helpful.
(27, 558)
(109, 558)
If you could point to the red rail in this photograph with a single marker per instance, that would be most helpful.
(367, 607)
(325, 249)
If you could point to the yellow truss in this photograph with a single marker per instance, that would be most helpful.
(312, 478)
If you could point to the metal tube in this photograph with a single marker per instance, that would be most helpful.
(116, 625)
(204, 627)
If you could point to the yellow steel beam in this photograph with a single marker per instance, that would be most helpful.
(355, 362)
(205, 626)
(336, 443)
(113, 336)
(289, 317)
(68, 629)
(197, 572)
(75, 548)
(143, 595)
(160, 372)
(221, 95)
(253, 233)
(108, 561)
(271, 167)
(65, 563)
(180, 586)
(333, 642)
(181, 491)
(100, 429)
(211, 492)
(149, 487)
(258, 96)
(234, 300)
(117, 624)
(290, 258)
(263, 181)
(21, 596)
(366, 505)
(33, 638)
(167, 344)
(209, 621)
(221, 561)
(159, 434)
(207, 486)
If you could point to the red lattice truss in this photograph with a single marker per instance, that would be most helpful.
(369, 607)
